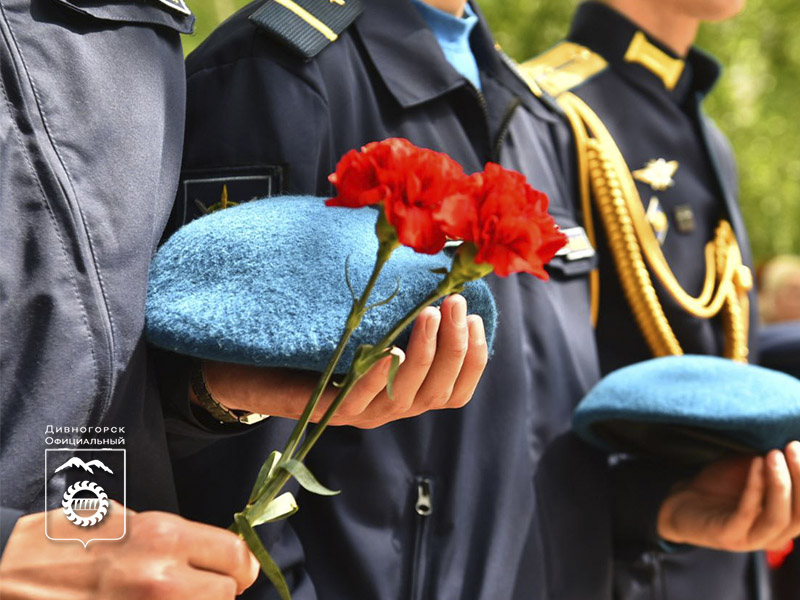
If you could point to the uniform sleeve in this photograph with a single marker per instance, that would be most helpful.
(249, 112)
(638, 487)
(8, 519)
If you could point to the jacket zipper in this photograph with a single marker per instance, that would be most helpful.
(53, 180)
(515, 103)
(505, 124)
(423, 508)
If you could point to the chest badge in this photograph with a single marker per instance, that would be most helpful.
(658, 220)
(657, 173)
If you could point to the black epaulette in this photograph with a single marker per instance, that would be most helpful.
(306, 26)
(563, 67)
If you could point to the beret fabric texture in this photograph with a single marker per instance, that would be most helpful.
(264, 284)
(693, 408)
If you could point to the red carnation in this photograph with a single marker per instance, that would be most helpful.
(425, 179)
(506, 219)
(363, 177)
(411, 183)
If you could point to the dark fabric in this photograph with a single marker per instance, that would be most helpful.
(253, 102)
(292, 30)
(650, 122)
(91, 125)
(8, 519)
(779, 347)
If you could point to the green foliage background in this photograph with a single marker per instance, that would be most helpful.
(756, 102)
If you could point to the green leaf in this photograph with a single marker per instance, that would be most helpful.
(270, 568)
(392, 374)
(263, 475)
(306, 479)
(439, 271)
(279, 508)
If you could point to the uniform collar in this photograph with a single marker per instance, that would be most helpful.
(410, 61)
(638, 56)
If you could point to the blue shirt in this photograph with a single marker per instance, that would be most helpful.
(452, 33)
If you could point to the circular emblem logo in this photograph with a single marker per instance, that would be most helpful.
(85, 503)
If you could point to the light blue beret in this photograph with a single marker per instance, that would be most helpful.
(691, 409)
(263, 284)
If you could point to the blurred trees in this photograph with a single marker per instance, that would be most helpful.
(756, 102)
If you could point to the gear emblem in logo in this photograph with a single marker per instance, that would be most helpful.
(97, 503)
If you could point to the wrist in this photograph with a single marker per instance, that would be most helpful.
(207, 379)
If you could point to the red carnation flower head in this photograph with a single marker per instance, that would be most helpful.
(410, 182)
(420, 186)
(506, 219)
(361, 176)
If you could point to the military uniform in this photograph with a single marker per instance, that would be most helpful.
(480, 503)
(91, 125)
(658, 188)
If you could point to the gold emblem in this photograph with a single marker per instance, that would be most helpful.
(658, 173)
(339, 2)
(221, 205)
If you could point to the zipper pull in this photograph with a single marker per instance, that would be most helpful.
(424, 505)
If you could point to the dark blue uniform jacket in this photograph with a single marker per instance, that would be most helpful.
(517, 508)
(91, 124)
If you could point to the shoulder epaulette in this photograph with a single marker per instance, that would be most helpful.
(306, 26)
(561, 68)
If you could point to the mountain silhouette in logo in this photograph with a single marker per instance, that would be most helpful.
(77, 462)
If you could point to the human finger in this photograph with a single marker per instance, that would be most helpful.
(474, 364)
(451, 350)
(792, 530)
(368, 389)
(777, 506)
(201, 585)
(420, 354)
(793, 460)
(220, 551)
(750, 502)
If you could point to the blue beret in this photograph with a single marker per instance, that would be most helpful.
(264, 284)
(691, 409)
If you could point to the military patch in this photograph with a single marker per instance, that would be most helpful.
(578, 245)
(203, 191)
(684, 218)
(178, 5)
(306, 26)
(657, 173)
(658, 220)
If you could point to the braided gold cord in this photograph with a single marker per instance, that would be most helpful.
(634, 276)
(634, 245)
(586, 204)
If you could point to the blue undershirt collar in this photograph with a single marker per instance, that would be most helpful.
(453, 34)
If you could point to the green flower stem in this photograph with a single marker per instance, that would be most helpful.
(353, 320)
(451, 283)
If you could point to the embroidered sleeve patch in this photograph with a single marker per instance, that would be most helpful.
(203, 191)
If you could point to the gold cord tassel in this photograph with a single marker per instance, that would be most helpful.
(634, 246)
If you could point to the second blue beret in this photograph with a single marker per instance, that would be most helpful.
(691, 408)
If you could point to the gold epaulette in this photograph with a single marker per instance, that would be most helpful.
(561, 68)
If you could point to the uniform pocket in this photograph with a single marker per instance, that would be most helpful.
(173, 14)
